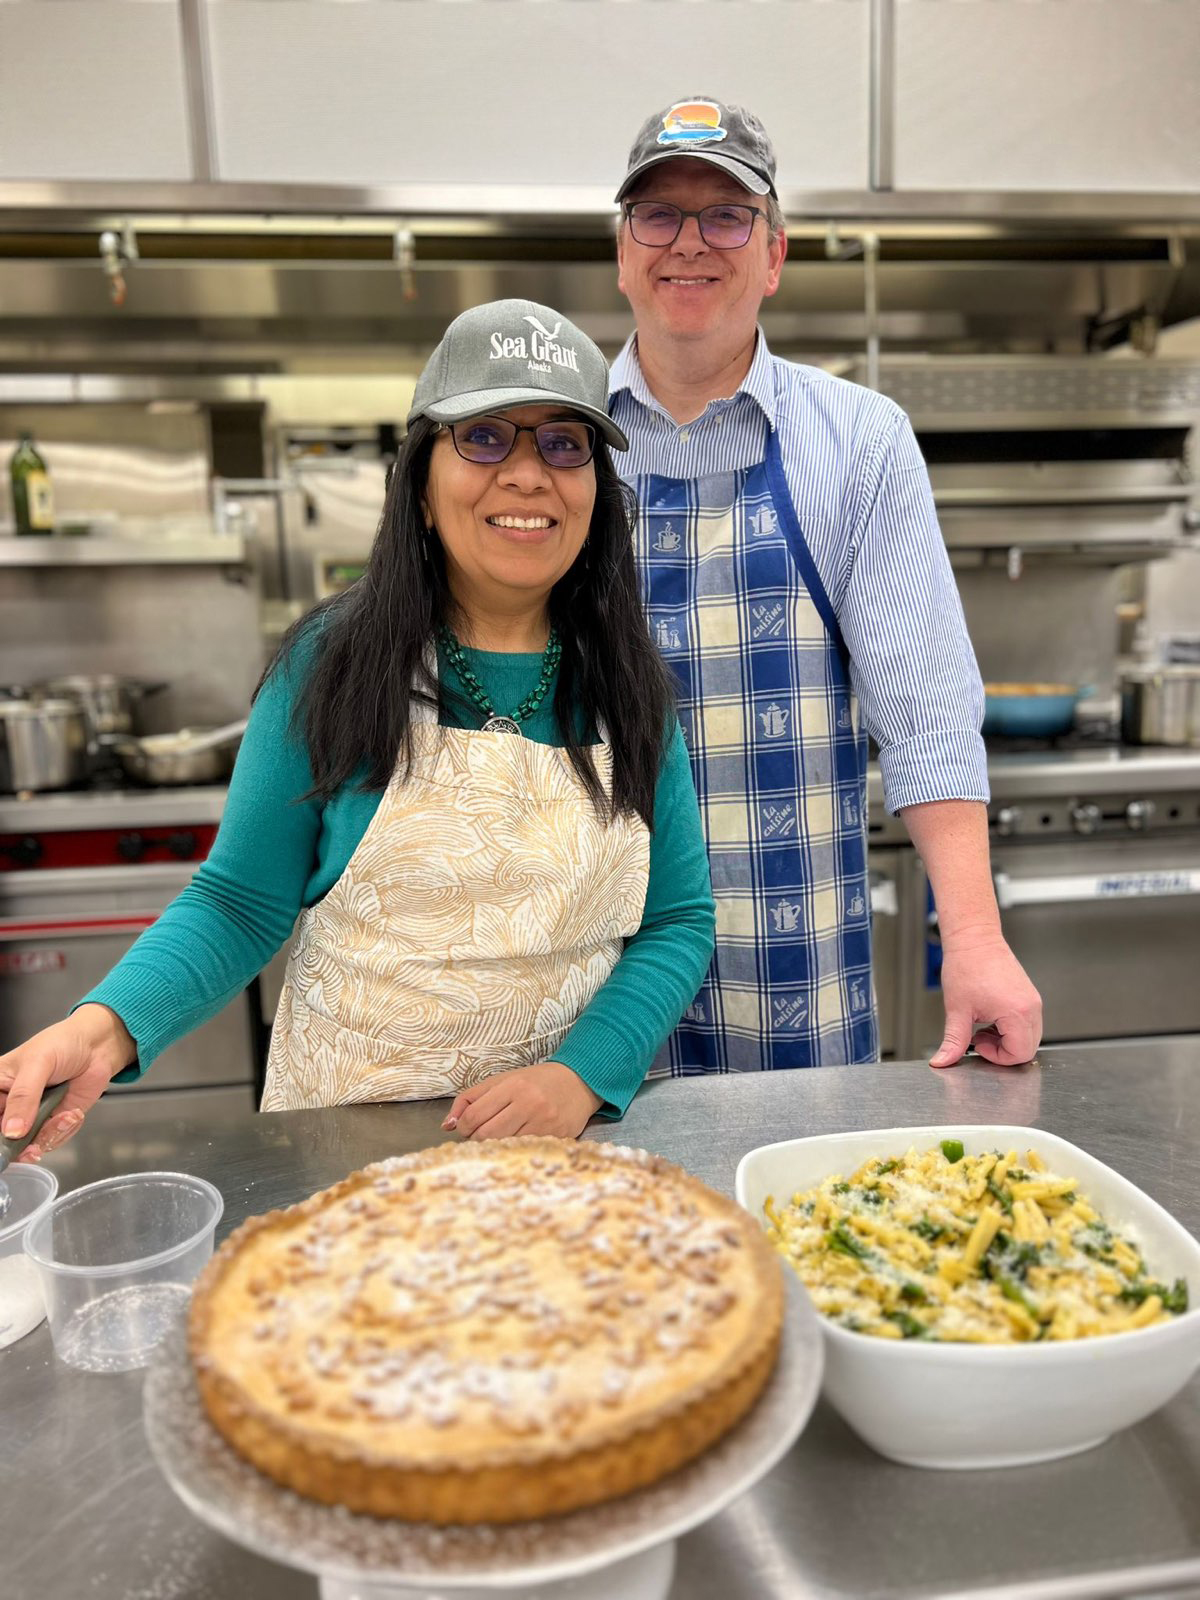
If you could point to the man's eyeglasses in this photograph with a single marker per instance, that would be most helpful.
(657, 223)
(490, 440)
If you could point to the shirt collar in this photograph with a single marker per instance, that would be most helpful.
(759, 383)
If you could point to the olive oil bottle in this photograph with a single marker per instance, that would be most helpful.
(32, 498)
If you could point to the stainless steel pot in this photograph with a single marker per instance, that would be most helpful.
(43, 745)
(110, 703)
(1161, 705)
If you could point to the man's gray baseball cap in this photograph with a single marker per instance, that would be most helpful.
(514, 353)
(729, 137)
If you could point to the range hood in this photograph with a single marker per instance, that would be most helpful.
(265, 295)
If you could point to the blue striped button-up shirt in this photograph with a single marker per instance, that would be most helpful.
(862, 495)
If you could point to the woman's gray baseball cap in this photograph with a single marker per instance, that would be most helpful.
(514, 353)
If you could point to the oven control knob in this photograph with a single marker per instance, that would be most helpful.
(131, 847)
(1139, 812)
(24, 852)
(1008, 820)
(1086, 818)
(182, 845)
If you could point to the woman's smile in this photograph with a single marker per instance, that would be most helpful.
(520, 527)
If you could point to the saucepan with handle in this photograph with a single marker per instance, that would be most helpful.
(193, 755)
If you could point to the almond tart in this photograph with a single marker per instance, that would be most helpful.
(487, 1332)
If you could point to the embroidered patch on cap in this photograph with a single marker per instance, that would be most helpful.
(692, 122)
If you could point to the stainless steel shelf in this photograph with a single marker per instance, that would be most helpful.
(224, 549)
(1072, 495)
(1097, 554)
(86, 809)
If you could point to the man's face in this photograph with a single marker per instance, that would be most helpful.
(687, 290)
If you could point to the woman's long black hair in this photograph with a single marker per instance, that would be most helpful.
(371, 642)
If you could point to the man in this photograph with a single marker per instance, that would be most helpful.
(794, 574)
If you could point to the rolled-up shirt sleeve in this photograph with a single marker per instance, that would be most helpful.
(912, 665)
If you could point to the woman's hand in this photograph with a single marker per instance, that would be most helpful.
(88, 1048)
(544, 1098)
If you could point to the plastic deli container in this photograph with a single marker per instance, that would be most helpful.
(31, 1189)
(117, 1260)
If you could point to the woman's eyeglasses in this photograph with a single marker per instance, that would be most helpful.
(489, 440)
(655, 222)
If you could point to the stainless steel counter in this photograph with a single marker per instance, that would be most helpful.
(85, 1513)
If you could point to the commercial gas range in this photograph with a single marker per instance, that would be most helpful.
(1096, 861)
(82, 873)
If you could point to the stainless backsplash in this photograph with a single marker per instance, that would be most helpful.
(117, 460)
(1055, 624)
(193, 627)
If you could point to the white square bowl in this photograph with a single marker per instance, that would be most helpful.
(965, 1405)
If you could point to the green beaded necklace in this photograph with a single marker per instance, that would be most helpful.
(494, 722)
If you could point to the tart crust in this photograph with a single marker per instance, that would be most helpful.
(488, 1332)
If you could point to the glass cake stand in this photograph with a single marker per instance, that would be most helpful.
(624, 1547)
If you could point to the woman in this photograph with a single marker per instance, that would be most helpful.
(465, 775)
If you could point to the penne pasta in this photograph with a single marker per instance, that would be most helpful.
(974, 1249)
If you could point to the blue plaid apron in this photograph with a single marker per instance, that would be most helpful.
(741, 616)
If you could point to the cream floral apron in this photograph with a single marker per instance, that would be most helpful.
(483, 908)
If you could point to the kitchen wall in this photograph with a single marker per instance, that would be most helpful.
(1172, 596)
(143, 472)
(116, 461)
(1170, 591)
(196, 628)
(1055, 624)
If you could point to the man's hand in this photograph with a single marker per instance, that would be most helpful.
(984, 985)
(544, 1098)
(986, 989)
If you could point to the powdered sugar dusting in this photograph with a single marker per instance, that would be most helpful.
(401, 1303)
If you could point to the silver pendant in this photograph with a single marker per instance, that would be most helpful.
(501, 725)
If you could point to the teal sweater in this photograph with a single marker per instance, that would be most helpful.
(276, 854)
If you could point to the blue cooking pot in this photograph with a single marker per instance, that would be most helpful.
(1030, 710)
